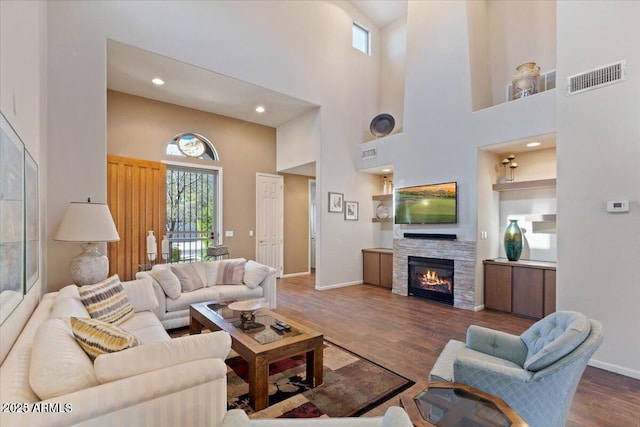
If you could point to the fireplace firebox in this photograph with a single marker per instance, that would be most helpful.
(431, 278)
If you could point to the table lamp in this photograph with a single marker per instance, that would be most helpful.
(90, 223)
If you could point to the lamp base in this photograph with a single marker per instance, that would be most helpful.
(90, 266)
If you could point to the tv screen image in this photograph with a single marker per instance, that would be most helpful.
(427, 204)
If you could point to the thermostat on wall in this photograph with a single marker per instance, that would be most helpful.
(618, 206)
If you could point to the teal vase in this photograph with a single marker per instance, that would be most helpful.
(513, 240)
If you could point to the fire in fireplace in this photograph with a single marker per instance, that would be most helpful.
(431, 278)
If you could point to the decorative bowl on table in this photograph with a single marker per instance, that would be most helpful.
(248, 309)
(248, 305)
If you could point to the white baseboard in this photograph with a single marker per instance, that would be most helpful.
(478, 307)
(338, 285)
(615, 368)
(304, 273)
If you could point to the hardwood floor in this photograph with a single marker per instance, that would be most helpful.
(406, 335)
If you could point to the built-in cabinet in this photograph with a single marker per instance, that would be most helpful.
(377, 267)
(526, 288)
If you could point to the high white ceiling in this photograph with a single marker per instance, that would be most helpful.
(382, 12)
(130, 70)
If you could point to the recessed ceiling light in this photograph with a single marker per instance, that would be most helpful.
(157, 81)
(533, 144)
(260, 109)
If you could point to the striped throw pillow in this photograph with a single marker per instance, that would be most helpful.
(231, 272)
(97, 337)
(107, 301)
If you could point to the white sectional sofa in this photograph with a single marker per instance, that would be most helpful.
(49, 380)
(176, 286)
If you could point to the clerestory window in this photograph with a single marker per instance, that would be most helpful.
(361, 38)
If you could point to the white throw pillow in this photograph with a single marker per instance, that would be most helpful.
(67, 303)
(141, 295)
(231, 271)
(58, 364)
(189, 277)
(255, 273)
(169, 282)
(211, 272)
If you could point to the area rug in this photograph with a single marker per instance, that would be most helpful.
(352, 386)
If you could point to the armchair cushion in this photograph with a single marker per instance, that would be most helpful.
(107, 301)
(497, 343)
(553, 337)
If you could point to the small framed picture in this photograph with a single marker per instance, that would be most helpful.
(351, 211)
(335, 202)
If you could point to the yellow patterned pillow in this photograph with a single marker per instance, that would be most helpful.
(97, 337)
(107, 301)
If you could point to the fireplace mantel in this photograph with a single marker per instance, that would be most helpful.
(463, 254)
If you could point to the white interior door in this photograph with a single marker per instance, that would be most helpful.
(312, 223)
(269, 220)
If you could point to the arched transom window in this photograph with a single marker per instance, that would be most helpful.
(189, 144)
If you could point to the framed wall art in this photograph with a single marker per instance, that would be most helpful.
(32, 221)
(11, 218)
(336, 201)
(351, 211)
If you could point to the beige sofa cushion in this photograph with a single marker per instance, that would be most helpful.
(67, 303)
(58, 364)
(146, 358)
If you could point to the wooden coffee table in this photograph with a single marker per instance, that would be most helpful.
(449, 404)
(260, 347)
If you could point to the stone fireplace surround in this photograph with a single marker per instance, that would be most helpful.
(462, 253)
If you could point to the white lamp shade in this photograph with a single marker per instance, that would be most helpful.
(87, 222)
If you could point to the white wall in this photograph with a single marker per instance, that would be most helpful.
(393, 56)
(520, 31)
(299, 141)
(264, 43)
(23, 103)
(598, 149)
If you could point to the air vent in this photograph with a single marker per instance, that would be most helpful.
(596, 78)
(368, 154)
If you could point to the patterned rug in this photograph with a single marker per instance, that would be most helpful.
(352, 386)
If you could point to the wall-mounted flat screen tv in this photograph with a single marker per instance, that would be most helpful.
(427, 204)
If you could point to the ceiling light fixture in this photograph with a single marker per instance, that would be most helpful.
(260, 109)
(157, 81)
(533, 144)
(386, 170)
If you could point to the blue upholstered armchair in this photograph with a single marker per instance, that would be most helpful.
(536, 373)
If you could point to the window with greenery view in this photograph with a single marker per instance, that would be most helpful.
(192, 197)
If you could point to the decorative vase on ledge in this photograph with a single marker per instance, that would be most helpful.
(513, 240)
(525, 81)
